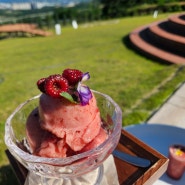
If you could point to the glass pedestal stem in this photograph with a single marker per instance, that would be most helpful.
(34, 179)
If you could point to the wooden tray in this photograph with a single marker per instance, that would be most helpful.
(127, 174)
(132, 175)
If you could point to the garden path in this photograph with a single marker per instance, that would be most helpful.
(172, 112)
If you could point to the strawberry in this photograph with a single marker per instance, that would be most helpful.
(41, 84)
(56, 84)
(72, 75)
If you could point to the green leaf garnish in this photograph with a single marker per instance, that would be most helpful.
(67, 96)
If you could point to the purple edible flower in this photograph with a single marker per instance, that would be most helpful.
(84, 92)
(85, 77)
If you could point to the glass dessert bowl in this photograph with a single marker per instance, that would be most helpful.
(57, 170)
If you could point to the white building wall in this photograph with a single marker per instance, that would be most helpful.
(21, 6)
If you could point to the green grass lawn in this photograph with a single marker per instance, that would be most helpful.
(132, 80)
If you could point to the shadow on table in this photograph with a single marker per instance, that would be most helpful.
(7, 176)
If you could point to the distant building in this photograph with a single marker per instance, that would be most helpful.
(39, 5)
(5, 6)
(70, 4)
(21, 6)
(35, 5)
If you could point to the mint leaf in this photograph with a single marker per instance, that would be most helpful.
(67, 96)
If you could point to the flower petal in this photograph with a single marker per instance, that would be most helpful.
(84, 89)
(85, 76)
(83, 100)
(84, 94)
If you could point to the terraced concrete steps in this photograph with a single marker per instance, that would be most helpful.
(163, 41)
(177, 24)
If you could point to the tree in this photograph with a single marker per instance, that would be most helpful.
(112, 8)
